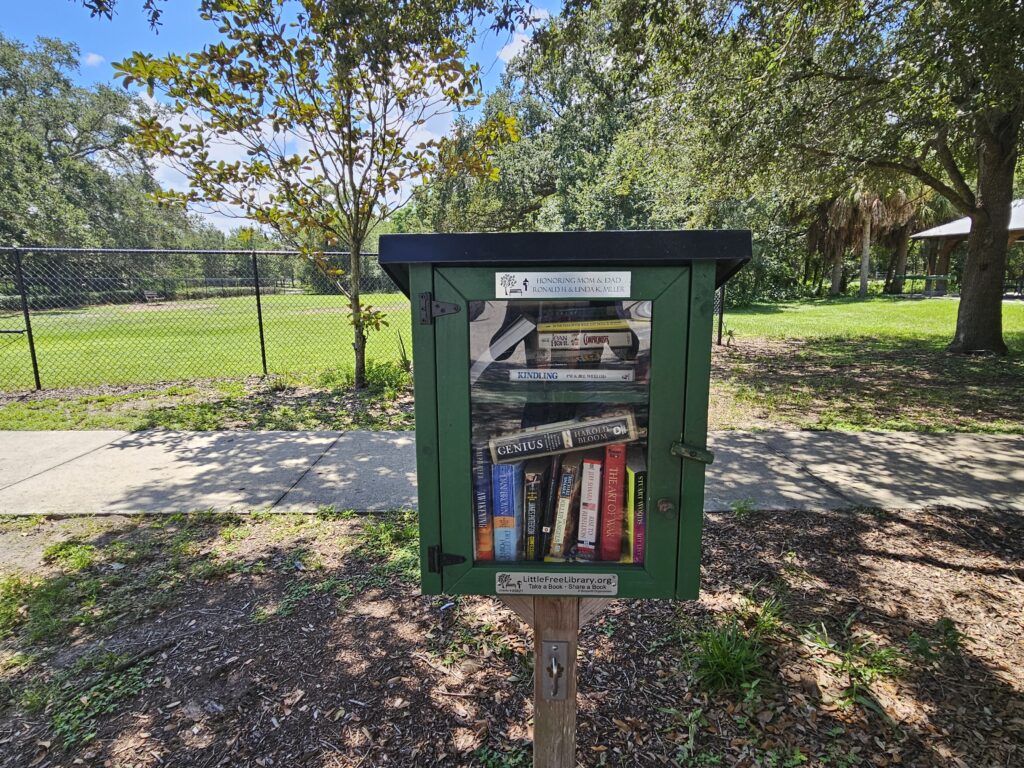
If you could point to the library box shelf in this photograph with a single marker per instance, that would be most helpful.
(561, 384)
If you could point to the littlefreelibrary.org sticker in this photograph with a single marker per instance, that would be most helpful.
(577, 585)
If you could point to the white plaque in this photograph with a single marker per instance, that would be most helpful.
(562, 285)
(575, 584)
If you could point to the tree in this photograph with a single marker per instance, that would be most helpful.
(68, 174)
(326, 106)
(927, 89)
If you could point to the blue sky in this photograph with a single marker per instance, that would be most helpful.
(102, 42)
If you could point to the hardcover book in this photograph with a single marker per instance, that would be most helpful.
(483, 517)
(636, 491)
(563, 534)
(534, 481)
(564, 436)
(612, 501)
(590, 506)
(507, 489)
(571, 326)
(550, 504)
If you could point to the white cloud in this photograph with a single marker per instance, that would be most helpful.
(510, 51)
(93, 59)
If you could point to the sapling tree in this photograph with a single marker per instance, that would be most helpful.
(323, 108)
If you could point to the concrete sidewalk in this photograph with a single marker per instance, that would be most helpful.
(63, 473)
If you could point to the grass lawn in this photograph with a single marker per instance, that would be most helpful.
(185, 340)
(879, 364)
(844, 364)
(835, 640)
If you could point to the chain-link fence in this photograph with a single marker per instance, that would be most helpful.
(82, 318)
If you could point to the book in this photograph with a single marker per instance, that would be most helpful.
(612, 501)
(584, 340)
(569, 326)
(504, 341)
(534, 482)
(483, 516)
(567, 508)
(590, 506)
(507, 489)
(550, 504)
(564, 436)
(570, 374)
(636, 503)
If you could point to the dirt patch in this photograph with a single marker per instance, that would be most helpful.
(302, 641)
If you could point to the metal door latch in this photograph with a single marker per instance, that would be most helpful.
(703, 455)
(553, 661)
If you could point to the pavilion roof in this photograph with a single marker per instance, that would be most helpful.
(962, 227)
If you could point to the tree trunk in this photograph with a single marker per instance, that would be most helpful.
(865, 255)
(356, 306)
(942, 266)
(902, 250)
(979, 321)
(837, 272)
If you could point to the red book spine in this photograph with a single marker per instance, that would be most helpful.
(613, 499)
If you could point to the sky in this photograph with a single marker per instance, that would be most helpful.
(103, 41)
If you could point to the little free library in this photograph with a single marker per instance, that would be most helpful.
(561, 407)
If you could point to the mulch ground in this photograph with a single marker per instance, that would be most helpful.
(889, 639)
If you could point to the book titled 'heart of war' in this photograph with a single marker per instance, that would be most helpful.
(562, 437)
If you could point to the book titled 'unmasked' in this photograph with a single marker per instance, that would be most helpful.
(483, 518)
(507, 487)
(562, 437)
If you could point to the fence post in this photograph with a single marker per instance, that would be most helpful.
(23, 290)
(721, 311)
(259, 311)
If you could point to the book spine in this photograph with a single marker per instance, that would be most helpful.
(612, 501)
(563, 437)
(584, 340)
(590, 505)
(550, 506)
(640, 517)
(576, 326)
(563, 521)
(570, 374)
(483, 516)
(627, 529)
(505, 479)
(533, 500)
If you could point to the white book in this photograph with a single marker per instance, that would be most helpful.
(590, 506)
(584, 339)
(570, 374)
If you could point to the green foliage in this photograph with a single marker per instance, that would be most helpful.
(861, 659)
(71, 555)
(488, 757)
(945, 641)
(727, 657)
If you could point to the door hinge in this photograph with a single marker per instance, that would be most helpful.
(429, 308)
(703, 455)
(437, 560)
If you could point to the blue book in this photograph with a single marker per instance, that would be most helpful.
(507, 487)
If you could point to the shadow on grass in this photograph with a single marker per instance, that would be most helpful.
(870, 383)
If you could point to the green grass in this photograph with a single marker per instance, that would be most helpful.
(930, 320)
(207, 338)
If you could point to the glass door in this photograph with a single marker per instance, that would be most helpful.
(556, 418)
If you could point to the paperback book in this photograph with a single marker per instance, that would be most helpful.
(563, 533)
(590, 507)
(547, 526)
(636, 504)
(483, 518)
(534, 482)
(507, 488)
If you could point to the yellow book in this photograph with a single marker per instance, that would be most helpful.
(605, 324)
(628, 518)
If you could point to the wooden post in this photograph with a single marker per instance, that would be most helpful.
(554, 722)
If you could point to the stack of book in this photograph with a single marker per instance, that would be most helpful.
(569, 491)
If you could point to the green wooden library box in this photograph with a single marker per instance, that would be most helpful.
(561, 385)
